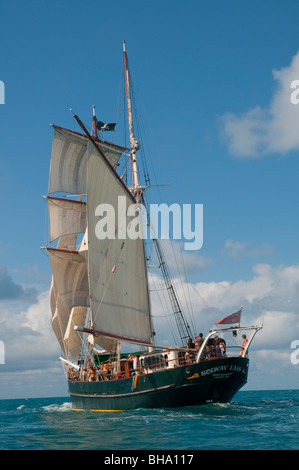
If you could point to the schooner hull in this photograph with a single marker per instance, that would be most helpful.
(210, 381)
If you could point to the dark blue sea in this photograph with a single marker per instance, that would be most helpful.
(255, 420)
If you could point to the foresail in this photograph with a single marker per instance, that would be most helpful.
(70, 275)
(69, 161)
(117, 270)
(72, 337)
(60, 316)
(61, 312)
(66, 217)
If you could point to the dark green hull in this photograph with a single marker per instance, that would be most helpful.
(210, 381)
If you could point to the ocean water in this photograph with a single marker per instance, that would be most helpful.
(260, 420)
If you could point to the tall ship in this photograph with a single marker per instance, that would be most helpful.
(100, 297)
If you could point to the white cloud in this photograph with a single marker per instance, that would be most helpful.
(234, 249)
(237, 250)
(270, 297)
(262, 131)
(27, 335)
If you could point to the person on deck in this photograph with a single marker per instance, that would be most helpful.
(189, 356)
(198, 341)
(91, 373)
(245, 341)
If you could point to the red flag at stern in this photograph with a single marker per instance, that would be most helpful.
(233, 318)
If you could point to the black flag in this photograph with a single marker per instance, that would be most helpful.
(105, 127)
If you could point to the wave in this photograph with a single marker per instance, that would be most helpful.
(20, 407)
(60, 408)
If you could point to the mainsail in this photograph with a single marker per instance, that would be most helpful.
(108, 276)
(117, 265)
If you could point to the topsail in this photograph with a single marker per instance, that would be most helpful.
(69, 161)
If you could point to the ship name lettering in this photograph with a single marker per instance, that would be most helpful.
(235, 368)
(213, 370)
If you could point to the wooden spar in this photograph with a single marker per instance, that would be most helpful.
(116, 337)
(128, 340)
(73, 201)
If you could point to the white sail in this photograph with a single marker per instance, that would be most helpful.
(60, 312)
(68, 242)
(117, 267)
(83, 247)
(53, 297)
(106, 343)
(69, 161)
(66, 217)
(72, 337)
(70, 275)
(60, 316)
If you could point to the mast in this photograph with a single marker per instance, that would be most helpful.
(95, 130)
(182, 325)
(134, 145)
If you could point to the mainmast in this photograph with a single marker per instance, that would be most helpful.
(134, 145)
(182, 325)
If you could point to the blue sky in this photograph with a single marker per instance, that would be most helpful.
(212, 84)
